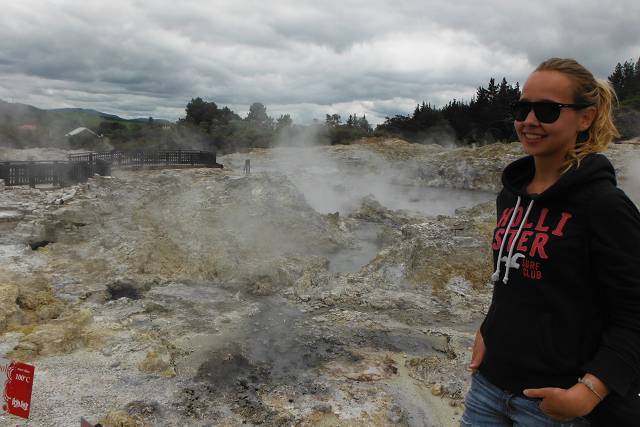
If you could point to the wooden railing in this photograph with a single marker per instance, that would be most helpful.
(141, 159)
(58, 173)
(82, 166)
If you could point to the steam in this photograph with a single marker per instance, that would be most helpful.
(441, 134)
(337, 179)
(35, 154)
(630, 181)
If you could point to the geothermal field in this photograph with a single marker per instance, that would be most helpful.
(331, 286)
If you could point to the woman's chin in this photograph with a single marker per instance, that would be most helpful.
(531, 149)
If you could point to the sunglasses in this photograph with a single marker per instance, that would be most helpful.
(545, 111)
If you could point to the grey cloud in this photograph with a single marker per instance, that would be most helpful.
(133, 58)
(595, 33)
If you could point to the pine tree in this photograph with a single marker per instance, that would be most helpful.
(363, 124)
(634, 84)
(492, 90)
(628, 76)
(617, 79)
(258, 116)
(351, 120)
(333, 120)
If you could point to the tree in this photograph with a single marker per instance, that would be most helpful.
(199, 111)
(397, 124)
(457, 113)
(362, 124)
(625, 79)
(492, 90)
(628, 75)
(426, 117)
(617, 79)
(258, 117)
(284, 122)
(485, 117)
(110, 129)
(634, 81)
(333, 120)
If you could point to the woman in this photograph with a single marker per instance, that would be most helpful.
(560, 344)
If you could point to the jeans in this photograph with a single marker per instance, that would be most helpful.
(488, 406)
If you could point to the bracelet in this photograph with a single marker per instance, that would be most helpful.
(590, 386)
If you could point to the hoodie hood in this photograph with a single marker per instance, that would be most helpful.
(594, 167)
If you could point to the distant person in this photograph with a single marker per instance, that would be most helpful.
(247, 167)
(560, 344)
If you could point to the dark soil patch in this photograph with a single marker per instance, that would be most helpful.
(39, 244)
(122, 289)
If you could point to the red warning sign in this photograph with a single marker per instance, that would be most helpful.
(18, 382)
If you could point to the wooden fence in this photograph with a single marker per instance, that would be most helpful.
(142, 159)
(82, 166)
(58, 173)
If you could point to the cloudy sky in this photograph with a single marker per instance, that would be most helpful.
(306, 58)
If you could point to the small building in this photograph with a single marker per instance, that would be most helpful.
(82, 137)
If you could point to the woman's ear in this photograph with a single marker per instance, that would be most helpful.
(586, 118)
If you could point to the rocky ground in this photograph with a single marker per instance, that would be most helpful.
(331, 286)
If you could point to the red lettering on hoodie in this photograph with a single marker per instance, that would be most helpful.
(538, 246)
(528, 224)
(518, 218)
(560, 227)
(540, 226)
(522, 240)
(498, 240)
(504, 218)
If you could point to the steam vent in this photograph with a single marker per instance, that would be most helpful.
(324, 286)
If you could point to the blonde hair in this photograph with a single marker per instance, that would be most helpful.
(587, 89)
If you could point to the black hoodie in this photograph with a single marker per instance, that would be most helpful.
(571, 301)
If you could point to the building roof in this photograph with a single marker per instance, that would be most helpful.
(81, 130)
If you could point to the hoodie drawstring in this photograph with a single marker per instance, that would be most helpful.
(505, 279)
(496, 274)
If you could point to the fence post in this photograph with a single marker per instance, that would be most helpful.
(31, 171)
(55, 171)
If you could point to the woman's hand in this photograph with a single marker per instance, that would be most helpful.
(478, 352)
(564, 404)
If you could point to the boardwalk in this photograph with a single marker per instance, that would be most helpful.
(82, 166)
(141, 159)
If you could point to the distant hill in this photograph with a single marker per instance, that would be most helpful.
(87, 111)
(107, 115)
(23, 125)
(20, 114)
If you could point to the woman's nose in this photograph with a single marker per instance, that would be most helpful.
(531, 118)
